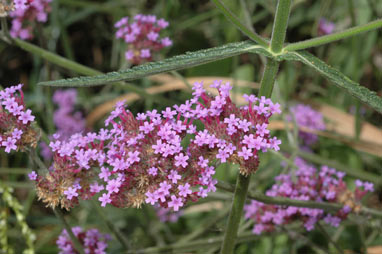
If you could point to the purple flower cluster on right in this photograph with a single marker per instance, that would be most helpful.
(92, 241)
(325, 185)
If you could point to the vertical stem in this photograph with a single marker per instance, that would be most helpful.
(76, 243)
(111, 226)
(269, 77)
(280, 25)
(232, 227)
(267, 83)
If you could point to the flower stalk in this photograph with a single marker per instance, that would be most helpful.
(266, 87)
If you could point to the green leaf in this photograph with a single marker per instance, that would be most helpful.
(179, 62)
(362, 93)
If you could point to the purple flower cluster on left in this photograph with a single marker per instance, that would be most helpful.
(26, 14)
(16, 132)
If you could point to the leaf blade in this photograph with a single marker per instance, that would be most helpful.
(179, 62)
(338, 78)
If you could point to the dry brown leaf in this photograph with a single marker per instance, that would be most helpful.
(374, 250)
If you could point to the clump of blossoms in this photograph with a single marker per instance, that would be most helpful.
(16, 132)
(142, 159)
(307, 117)
(309, 185)
(92, 241)
(67, 120)
(25, 16)
(142, 37)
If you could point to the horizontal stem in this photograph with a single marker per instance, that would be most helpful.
(194, 245)
(231, 17)
(329, 207)
(334, 37)
(54, 58)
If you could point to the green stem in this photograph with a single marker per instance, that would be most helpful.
(334, 37)
(54, 58)
(111, 226)
(241, 189)
(266, 87)
(329, 238)
(4, 30)
(194, 245)
(269, 77)
(231, 17)
(280, 25)
(77, 245)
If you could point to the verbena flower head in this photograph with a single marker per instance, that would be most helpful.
(25, 16)
(66, 119)
(305, 116)
(16, 132)
(310, 185)
(92, 241)
(143, 159)
(325, 27)
(142, 37)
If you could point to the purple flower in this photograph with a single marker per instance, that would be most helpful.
(175, 203)
(32, 176)
(105, 199)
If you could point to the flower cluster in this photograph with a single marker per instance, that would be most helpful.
(26, 14)
(92, 241)
(147, 159)
(15, 121)
(305, 116)
(67, 120)
(325, 27)
(142, 37)
(307, 184)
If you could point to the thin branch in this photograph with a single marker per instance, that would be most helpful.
(334, 37)
(243, 28)
(78, 246)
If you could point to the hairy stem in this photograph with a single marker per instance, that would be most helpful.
(280, 25)
(266, 87)
(77, 245)
(244, 29)
(241, 189)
